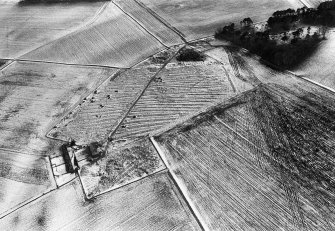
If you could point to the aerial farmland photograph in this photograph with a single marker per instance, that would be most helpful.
(167, 115)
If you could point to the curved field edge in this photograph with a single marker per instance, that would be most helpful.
(114, 40)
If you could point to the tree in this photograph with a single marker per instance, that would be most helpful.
(247, 22)
(323, 31)
(297, 33)
(285, 37)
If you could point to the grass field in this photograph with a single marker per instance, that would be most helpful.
(179, 89)
(258, 161)
(152, 24)
(200, 18)
(34, 95)
(104, 109)
(114, 39)
(154, 203)
(24, 28)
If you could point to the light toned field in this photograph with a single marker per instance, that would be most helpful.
(247, 163)
(312, 3)
(24, 28)
(154, 203)
(180, 89)
(34, 95)
(102, 111)
(114, 39)
(320, 66)
(199, 18)
(22, 177)
(125, 162)
(151, 23)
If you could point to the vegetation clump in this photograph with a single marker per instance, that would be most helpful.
(280, 41)
(189, 55)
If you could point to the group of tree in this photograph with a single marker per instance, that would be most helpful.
(290, 52)
(323, 15)
(187, 55)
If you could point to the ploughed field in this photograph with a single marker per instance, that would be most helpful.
(262, 160)
(24, 28)
(113, 39)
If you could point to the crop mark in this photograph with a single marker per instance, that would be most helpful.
(140, 95)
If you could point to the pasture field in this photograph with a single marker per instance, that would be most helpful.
(125, 162)
(151, 23)
(200, 18)
(320, 66)
(22, 177)
(101, 112)
(180, 89)
(34, 95)
(154, 203)
(114, 39)
(24, 28)
(258, 160)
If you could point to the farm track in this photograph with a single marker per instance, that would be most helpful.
(182, 190)
(140, 24)
(66, 64)
(166, 36)
(163, 21)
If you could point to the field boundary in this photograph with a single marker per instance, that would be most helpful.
(71, 30)
(66, 64)
(182, 189)
(140, 24)
(118, 187)
(10, 211)
(163, 21)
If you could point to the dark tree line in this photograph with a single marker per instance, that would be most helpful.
(288, 53)
(187, 55)
(323, 15)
